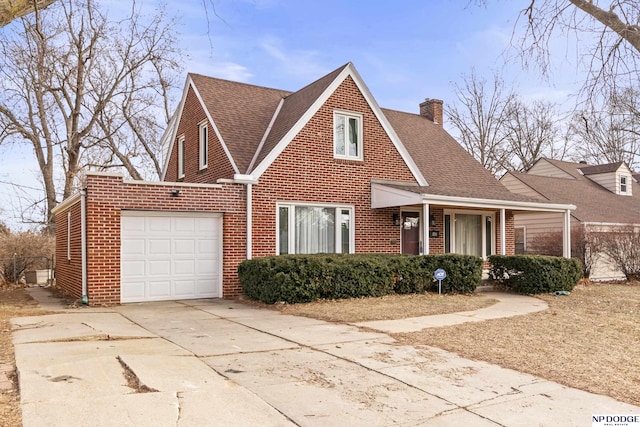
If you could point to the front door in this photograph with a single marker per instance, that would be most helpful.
(410, 234)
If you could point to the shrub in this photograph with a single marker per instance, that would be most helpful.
(305, 278)
(32, 251)
(585, 246)
(534, 274)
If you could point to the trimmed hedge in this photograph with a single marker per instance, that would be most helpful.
(305, 278)
(535, 274)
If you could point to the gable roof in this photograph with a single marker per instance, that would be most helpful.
(293, 108)
(447, 167)
(241, 112)
(593, 202)
(255, 124)
(596, 169)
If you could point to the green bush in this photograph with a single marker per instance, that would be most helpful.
(305, 278)
(535, 274)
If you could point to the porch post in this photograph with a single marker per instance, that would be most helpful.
(425, 229)
(503, 232)
(566, 234)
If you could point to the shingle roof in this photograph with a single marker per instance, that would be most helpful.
(594, 203)
(447, 167)
(596, 169)
(242, 113)
(294, 106)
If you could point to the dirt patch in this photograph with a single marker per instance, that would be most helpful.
(14, 302)
(588, 340)
(388, 307)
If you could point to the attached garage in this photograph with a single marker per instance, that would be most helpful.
(170, 256)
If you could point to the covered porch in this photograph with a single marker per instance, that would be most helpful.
(437, 223)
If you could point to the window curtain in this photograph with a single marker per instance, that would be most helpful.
(353, 137)
(468, 234)
(315, 230)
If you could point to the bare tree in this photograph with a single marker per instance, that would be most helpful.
(86, 91)
(622, 247)
(532, 131)
(608, 39)
(610, 134)
(480, 116)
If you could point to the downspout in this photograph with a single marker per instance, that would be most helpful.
(249, 221)
(503, 231)
(83, 243)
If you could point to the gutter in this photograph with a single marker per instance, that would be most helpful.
(247, 180)
(83, 238)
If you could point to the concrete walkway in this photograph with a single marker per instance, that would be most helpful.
(508, 305)
(216, 362)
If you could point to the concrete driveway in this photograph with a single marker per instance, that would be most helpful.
(217, 362)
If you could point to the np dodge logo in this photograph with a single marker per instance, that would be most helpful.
(615, 420)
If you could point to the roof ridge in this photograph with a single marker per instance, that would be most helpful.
(242, 83)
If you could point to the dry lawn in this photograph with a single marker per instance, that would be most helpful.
(588, 340)
(14, 302)
(388, 307)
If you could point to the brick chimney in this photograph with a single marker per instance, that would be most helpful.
(432, 110)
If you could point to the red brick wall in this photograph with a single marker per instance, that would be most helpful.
(219, 165)
(107, 196)
(306, 171)
(69, 271)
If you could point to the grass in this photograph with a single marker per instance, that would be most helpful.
(389, 307)
(588, 340)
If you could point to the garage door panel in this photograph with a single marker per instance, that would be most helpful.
(159, 288)
(134, 224)
(207, 224)
(168, 256)
(159, 268)
(206, 267)
(185, 266)
(185, 225)
(159, 246)
(158, 224)
(133, 268)
(184, 247)
(185, 287)
(134, 247)
(132, 290)
(204, 286)
(208, 246)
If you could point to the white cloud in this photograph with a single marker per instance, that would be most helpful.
(303, 65)
(221, 69)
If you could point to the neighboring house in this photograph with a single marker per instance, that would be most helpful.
(253, 172)
(607, 197)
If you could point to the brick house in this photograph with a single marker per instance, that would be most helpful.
(251, 171)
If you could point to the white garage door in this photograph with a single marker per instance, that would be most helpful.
(170, 256)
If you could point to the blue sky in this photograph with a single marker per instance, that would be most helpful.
(405, 50)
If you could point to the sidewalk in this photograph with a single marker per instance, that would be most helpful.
(508, 305)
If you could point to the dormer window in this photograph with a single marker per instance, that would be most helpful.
(623, 185)
(347, 136)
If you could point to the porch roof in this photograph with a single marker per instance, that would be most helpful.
(390, 193)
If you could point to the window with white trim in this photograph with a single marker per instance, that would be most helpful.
(181, 157)
(347, 135)
(311, 229)
(203, 146)
(469, 233)
(623, 184)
